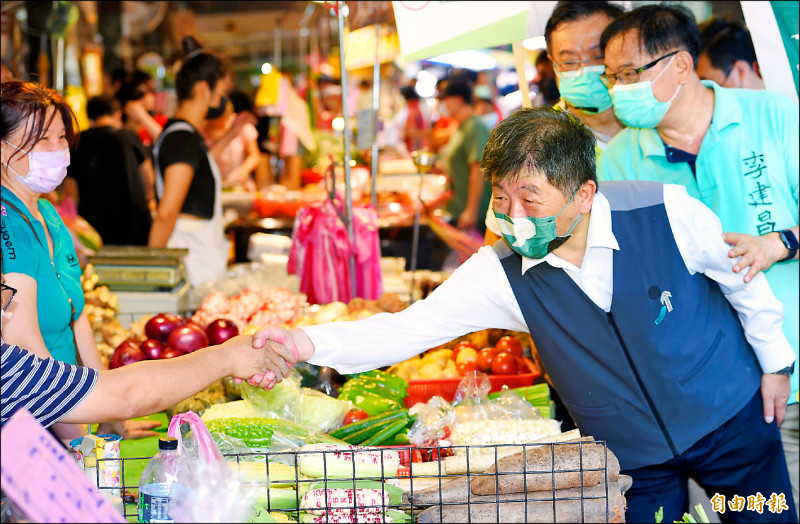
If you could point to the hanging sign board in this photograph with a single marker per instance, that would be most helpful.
(367, 13)
(359, 46)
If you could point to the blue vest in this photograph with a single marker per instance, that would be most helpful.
(651, 390)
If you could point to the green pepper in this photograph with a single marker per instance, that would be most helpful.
(371, 403)
(253, 432)
(369, 386)
(397, 383)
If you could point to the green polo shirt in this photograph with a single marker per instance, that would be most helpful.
(465, 148)
(747, 172)
(57, 281)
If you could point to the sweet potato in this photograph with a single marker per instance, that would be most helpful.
(542, 472)
(540, 507)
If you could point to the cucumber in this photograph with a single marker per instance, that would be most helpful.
(364, 434)
(367, 422)
(400, 439)
(385, 434)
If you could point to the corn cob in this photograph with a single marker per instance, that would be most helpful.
(335, 461)
(278, 474)
(276, 498)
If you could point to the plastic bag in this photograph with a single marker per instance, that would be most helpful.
(508, 419)
(213, 493)
(307, 407)
(432, 423)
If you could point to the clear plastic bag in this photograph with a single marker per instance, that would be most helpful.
(212, 493)
(508, 419)
(307, 407)
(433, 419)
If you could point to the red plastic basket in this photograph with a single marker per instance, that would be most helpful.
(422, 390)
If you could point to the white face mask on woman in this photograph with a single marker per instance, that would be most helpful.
(46, 169)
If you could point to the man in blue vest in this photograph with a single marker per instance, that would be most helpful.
(654, 344)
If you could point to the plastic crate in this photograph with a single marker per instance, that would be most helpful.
(422, 390)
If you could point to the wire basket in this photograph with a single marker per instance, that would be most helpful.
(574, 481)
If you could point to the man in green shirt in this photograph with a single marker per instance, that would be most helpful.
(471, 193)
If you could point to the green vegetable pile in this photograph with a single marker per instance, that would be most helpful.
(375, 392)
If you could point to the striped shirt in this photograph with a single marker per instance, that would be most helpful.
(49, 389)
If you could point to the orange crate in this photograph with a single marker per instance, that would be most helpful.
(422, 390)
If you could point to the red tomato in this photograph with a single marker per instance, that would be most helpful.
(416, 455)
(509, 344)
(354, 415)
(466, 367)
(461, 345)
(505, 364)
(485, 359)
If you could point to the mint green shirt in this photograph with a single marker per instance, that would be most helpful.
(464, 149)
(747, 172)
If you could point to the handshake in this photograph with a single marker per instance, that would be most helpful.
(277, 350)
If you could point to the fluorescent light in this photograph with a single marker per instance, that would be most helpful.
(266, 68)
(426, 84)
(470, 59)
(338, 124)
(537, 42)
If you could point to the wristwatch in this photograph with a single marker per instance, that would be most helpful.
(790, 241)
(788, 370)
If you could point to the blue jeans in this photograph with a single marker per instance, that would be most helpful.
(742, 457)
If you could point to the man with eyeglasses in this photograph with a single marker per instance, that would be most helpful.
(734, 149)
(572, 35)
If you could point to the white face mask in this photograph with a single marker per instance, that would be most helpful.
(46, 169)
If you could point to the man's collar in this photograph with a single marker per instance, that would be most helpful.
(727, 111)
(599, 235)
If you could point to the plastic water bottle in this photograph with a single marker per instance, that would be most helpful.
(161, 484)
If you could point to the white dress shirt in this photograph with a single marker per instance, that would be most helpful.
(478, 295)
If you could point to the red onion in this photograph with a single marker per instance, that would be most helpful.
(221, 330)
(126, 353)
(160, 326)
(152, 348)
(170, 353)
(188, 338)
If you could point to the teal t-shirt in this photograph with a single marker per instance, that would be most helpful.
(465, 148)
(57, 281)
(747, 172)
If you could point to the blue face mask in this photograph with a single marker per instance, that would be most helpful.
(533, 237)
(636, 105)
(584, 90)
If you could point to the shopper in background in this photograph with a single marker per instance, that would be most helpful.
(444, 125)
(734, 149)
(38, 128)
(188, 181)
(137, 104)
(150, 129)
(415, 127)
(53, 391)
(675, 391)
(727, 55)
(572, 35)
(105, 176)
(464, 149)
(241, 156)
(546, 81)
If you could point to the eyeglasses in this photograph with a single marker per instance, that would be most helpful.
(631, 75)
(8, 293)
(574, 65)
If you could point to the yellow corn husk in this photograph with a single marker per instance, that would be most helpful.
(280, 517)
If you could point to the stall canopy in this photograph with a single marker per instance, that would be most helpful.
(470, 25)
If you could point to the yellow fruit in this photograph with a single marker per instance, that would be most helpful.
(431, 371)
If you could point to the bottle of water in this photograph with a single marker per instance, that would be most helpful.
(161, 484)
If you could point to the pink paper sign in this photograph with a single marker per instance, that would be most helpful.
(43, 481)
